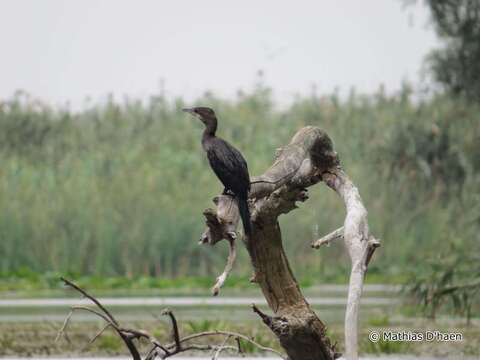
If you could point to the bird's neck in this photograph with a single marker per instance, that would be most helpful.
(210, 128)
(207, 139)
(209, 133)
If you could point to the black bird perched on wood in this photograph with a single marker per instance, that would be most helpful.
(227, 162)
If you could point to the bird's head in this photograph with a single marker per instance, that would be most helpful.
(204, 114)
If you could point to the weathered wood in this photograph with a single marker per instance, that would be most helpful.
(309, 158)
(360, 245)
(327, 239)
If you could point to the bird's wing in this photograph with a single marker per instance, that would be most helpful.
(230, 167)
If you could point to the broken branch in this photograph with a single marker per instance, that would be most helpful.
(327, 239)
(232, 254)
(179, 344)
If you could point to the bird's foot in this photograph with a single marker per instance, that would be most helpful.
(228, 192)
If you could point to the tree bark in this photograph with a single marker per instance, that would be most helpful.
(309, 158)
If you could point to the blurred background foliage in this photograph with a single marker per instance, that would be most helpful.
(119, 188)
(456, 65)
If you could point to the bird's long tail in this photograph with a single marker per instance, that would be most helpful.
(245, 215)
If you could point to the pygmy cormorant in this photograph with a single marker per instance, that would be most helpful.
(227, 162)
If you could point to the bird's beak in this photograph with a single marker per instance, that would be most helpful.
(190, 111)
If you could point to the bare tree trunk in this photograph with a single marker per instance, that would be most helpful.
(309, 158)
(296, 325)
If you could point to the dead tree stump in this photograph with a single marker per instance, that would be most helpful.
(308, 159)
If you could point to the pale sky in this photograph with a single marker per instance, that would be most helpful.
(63, 51)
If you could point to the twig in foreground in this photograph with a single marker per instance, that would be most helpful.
(156, 349)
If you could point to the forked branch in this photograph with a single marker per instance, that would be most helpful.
(231, 340)
(360, 245)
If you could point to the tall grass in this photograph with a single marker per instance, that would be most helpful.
(118, 189)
